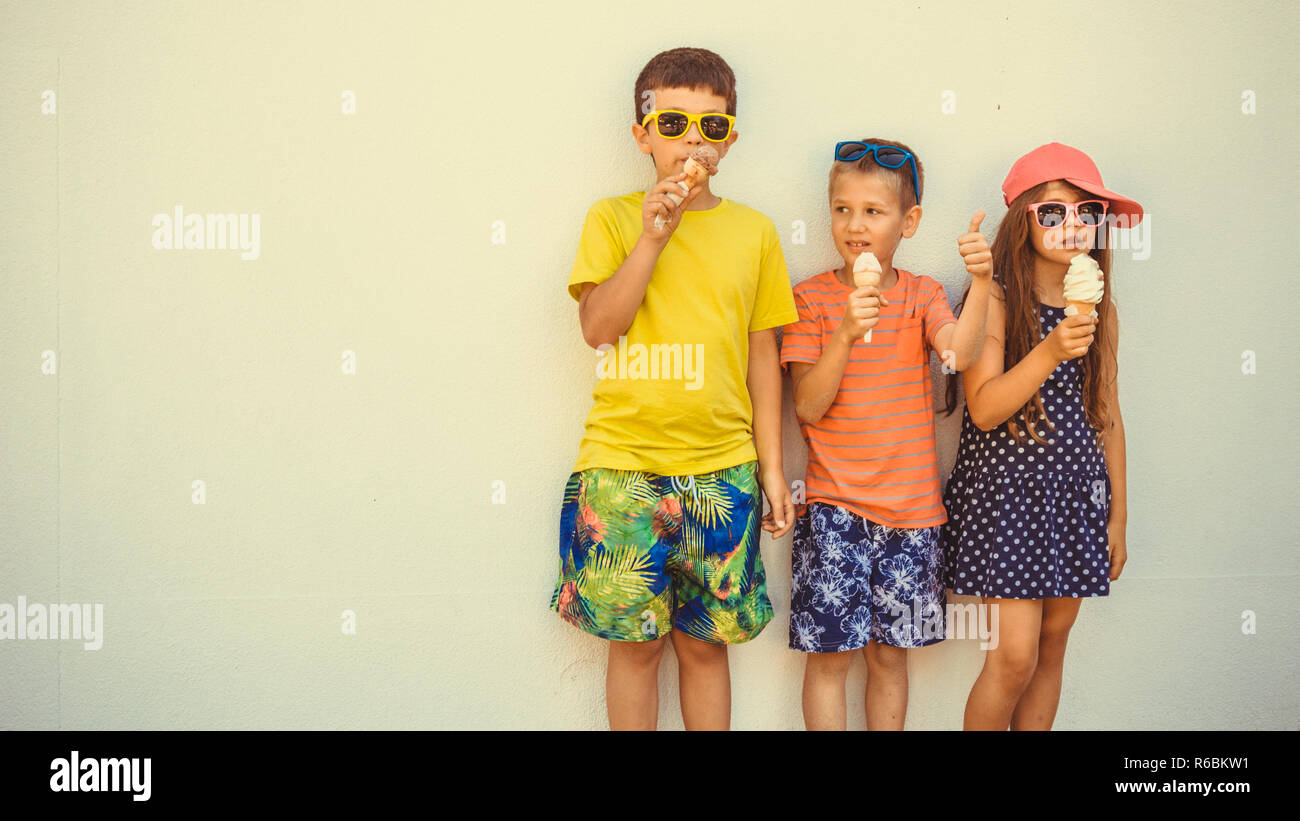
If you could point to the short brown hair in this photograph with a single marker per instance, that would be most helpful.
(695, 68)
(900, 177)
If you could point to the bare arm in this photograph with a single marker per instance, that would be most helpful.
(764, 383)
(606, 309)
(815, 386)
(966, 337)
(1112, 441)
(994, 396)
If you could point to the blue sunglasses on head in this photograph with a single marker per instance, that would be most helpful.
(886, 156)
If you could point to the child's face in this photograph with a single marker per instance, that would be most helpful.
(670, 154)
(867, 216)
(1071, 238)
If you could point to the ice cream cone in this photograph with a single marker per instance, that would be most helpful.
(866, 271)
(1084, 286)
(1080, 308)
(702, 164)
(696, 174)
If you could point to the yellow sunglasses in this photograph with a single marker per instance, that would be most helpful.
(673, 124)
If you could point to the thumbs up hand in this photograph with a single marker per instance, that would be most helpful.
(974, 249)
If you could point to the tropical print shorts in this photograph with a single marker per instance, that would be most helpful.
(855, 581)
(643, 554)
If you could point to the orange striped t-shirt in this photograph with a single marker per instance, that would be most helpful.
(874, 451)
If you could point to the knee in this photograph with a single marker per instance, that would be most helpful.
(886, 659)
(834, 666)
(693, 651)
(638, 653)
(1051, 643)
(1013, 669)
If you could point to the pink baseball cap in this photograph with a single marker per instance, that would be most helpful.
(1055, 161)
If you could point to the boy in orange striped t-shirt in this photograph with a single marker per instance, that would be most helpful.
(867, 566)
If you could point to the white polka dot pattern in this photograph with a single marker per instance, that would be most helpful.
(1028, 521)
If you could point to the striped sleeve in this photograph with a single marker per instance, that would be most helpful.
(802, 339)
(935, 311)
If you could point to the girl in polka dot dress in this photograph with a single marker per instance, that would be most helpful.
(1036, 500)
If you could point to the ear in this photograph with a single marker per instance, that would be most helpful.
(642, 138)
(911, 221)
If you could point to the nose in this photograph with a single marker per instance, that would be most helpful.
(693, 135)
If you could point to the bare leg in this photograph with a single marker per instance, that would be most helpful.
(886, 686)
(823, 690)
(1008, 666)
(1036, 709)
(705, 683)
(632, 684)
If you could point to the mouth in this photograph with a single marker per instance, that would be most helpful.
(858, 246)
(1069, 242)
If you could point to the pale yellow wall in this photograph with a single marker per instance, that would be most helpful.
(371, 492)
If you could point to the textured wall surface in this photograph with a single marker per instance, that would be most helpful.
(130, 373)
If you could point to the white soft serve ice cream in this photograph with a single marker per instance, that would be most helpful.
(866, 269)
(1083, 282)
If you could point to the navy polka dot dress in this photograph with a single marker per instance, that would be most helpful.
(1028, 521)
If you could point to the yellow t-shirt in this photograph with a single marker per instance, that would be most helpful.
(671, 397)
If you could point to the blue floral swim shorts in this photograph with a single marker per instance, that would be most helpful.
(856, 581)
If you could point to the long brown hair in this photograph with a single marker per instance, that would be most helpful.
(1013, 269)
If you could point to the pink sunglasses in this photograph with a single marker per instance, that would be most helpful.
(1053, 213)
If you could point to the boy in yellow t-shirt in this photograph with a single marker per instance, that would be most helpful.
(661, 517)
